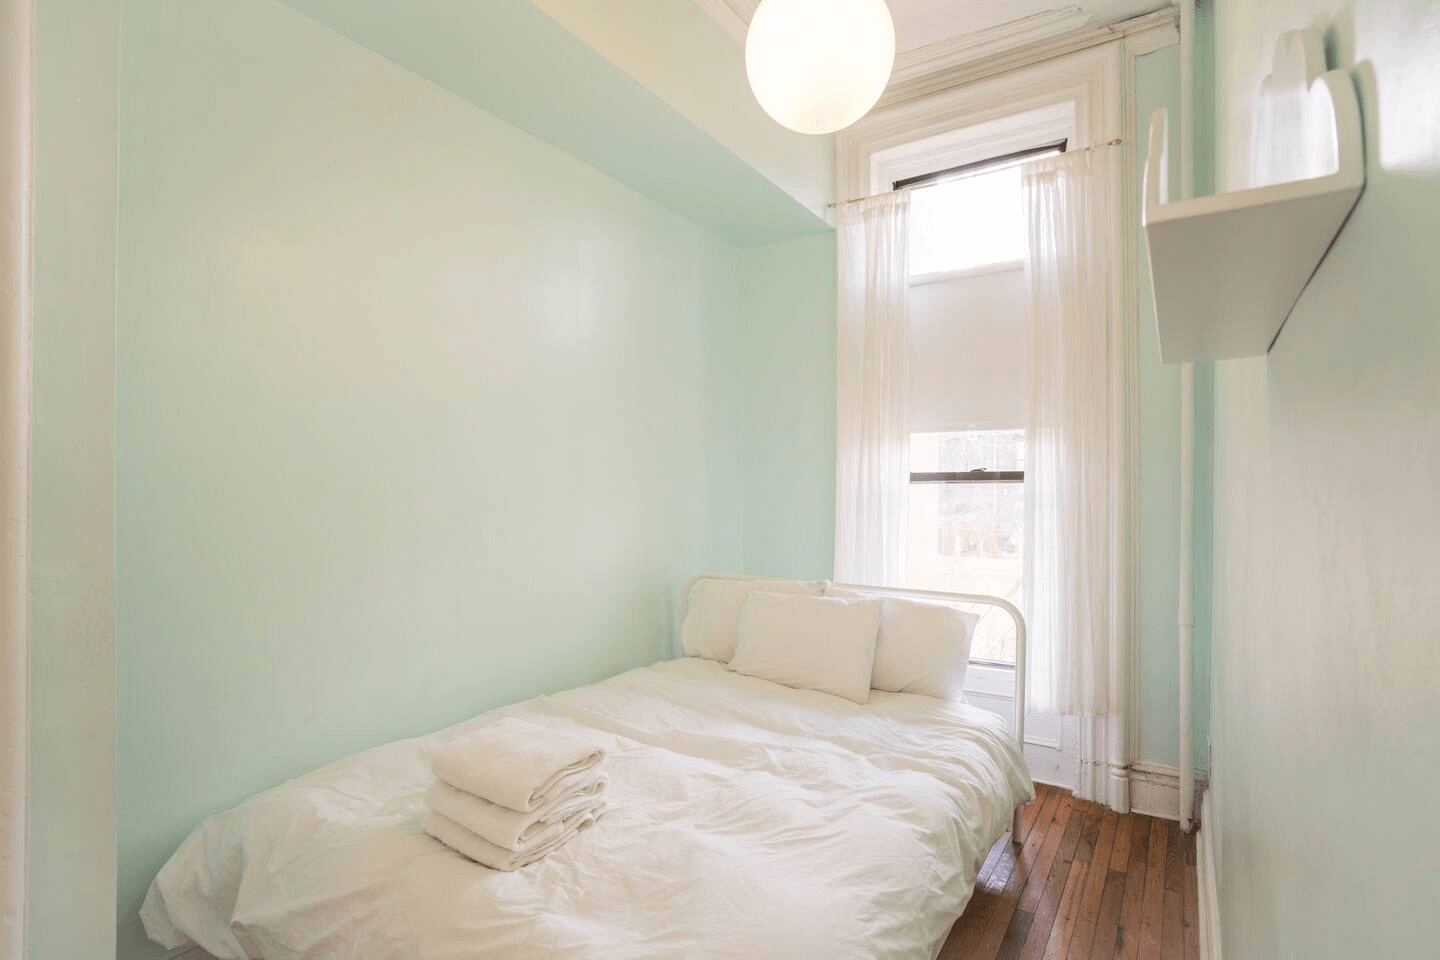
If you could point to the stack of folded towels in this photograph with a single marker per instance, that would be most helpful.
(513, 792)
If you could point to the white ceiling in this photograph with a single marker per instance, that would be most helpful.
(922, 22)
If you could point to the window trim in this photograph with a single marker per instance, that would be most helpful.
(997, 680)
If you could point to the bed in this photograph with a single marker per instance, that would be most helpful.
(745, 818)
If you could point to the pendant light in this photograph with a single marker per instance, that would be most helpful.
(817, 66)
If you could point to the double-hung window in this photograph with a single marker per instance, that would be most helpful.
(968, 328)
(967, 523)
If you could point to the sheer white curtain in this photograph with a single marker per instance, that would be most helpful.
(1079, 462)
(872, 470)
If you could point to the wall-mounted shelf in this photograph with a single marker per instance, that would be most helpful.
(1228, 269)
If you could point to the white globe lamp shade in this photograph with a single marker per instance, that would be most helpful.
(817, 66)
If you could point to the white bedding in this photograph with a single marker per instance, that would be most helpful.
(746, 819)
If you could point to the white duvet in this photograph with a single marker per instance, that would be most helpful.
(746, 820)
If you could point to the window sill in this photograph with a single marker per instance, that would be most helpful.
(990, 680)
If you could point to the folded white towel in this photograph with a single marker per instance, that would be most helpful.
(512, 829)
(482, 851)
(516, 764)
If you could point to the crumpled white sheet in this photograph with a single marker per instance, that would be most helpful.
(746, 820)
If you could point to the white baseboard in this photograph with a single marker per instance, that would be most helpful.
(1155, 790)
(1208, 891)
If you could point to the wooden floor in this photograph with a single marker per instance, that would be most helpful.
(1086, 883)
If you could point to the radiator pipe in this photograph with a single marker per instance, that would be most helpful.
(1187, 434)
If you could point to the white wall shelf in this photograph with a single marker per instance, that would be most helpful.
(1228, 269)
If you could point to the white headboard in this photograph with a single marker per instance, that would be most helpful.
(980, 598)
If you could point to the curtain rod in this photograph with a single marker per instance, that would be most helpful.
(964, 176)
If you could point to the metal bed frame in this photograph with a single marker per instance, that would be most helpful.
(947, 597)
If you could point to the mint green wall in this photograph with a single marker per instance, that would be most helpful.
(1157, 84)
(417, 414)
(1327, 666)
(787, 310)
(71, 825)
(509, 58)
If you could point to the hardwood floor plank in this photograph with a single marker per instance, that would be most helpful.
(972, 923)
(1153, 906)
(1088, 836)
(1108, 923)
(1027, 813)
(1172, 927)
(982, 899)
(997, 853)
(981, 905)
(1064, 927)
(951, 949)
(1032, 809)
(1140, 836)
(1086, 884)
(1049, 902)
(1095, 879)
(1044, 816)
(1059, 827)
(1073, 829)
(1000, 875)
(969, 931)
(1175, 859)
(1120, 858)
(1015, 936)
(989, 943)
(998, 864)
(1192, 912)
(1127, 934)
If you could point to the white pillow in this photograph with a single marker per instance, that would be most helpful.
(814, 643)
(714, 613)
(923, 647)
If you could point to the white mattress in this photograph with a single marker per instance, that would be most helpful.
(746, 819)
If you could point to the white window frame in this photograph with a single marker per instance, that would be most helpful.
(978, 120)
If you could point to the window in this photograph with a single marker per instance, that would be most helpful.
(969, 216)
(963, 326)
(968, 345)
(967, 524)
(968, 350)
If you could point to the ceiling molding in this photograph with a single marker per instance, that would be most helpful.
(732, 15)
(1147, 38)
(942, 55)
(954, 62)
